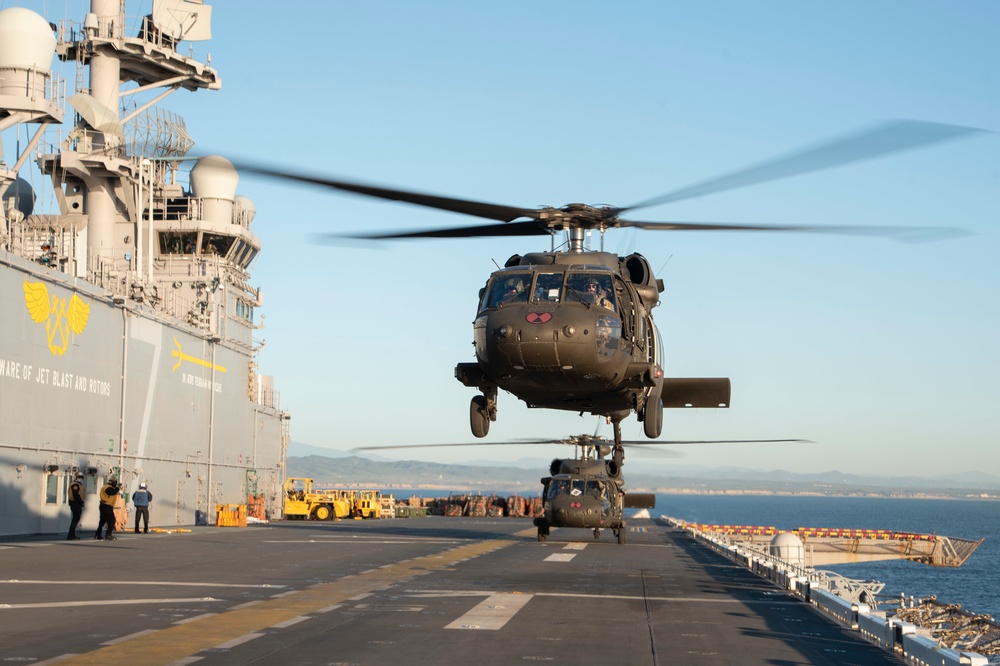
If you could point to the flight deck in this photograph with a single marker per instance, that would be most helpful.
(427, 590)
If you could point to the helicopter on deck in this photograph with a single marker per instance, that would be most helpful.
(572, 328)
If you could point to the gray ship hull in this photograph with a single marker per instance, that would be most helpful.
(112, 389)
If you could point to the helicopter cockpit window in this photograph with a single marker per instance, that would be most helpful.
(508, 289)
(558, 487)
(593, 289)
(547, 288)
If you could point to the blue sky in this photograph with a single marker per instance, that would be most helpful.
(883, 353)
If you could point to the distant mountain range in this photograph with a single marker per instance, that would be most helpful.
(331, 466)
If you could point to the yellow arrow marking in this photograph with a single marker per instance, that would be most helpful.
(181, 357)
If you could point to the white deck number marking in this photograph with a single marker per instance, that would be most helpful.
(492, 613)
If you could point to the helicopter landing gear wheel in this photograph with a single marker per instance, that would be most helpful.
(652, 418)
(620, 533)
(618, 452)
(597, 534)
(543, 528)
(479, 416)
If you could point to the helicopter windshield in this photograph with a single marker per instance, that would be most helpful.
(510, 288)
(558, 487)
(591, 288)
(547, 288)
(578, 488)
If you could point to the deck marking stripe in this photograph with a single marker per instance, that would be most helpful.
(108, 602)
(327, 609)
(55, 660)
(560, 557)
(122, 639)
(195, 618)
(427, 594)
(288, 623)
(177, 642)
(574, 546)
(228, 645)
(160, 583)
(492, 613)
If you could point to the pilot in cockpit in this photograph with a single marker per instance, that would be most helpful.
(593, 292)
(514, 291)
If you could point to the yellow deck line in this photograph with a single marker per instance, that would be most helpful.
(179, 641)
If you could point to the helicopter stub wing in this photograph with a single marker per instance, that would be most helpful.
(696, 392)
(639, 501)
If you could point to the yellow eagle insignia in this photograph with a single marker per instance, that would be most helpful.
(60, 318)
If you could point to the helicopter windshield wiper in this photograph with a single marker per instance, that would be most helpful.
(579, 297)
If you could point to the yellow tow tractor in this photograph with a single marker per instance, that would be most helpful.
(366, 504)
(303, 503)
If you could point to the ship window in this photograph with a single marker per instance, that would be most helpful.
(51, 489)
(244, 310)
(216, 244)
(547, 288)
(249, 256)
(508, 288)
(177, 242)
(591, 288)
(240, 253)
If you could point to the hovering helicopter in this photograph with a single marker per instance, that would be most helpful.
(587, 491)
(572, 328)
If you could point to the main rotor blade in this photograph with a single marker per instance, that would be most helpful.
(526, 228)
(891, 137)
(464, 206)
(530, 442)
(435, 446)
(648, 442)
(906, 234)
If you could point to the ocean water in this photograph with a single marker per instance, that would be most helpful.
(975, 585)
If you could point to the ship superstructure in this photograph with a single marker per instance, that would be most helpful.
(127, 338)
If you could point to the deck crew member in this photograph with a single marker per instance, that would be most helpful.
(109, 495)
(77, 498)
(141, 499)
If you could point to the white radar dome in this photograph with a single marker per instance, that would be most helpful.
(26, 40)
(214, 177)
(788, 547)
(245, 208)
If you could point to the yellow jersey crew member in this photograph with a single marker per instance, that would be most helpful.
(109, 495)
